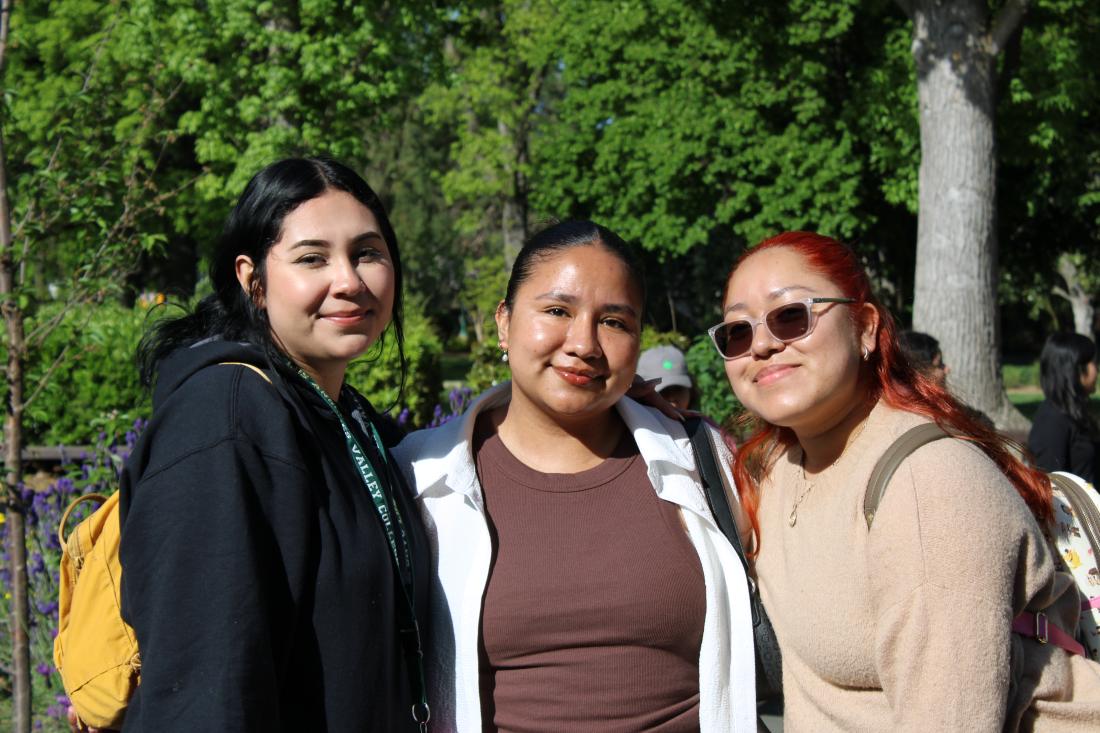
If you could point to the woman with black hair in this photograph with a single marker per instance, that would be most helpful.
(273, 562)
(583, 582)
(1063, 434)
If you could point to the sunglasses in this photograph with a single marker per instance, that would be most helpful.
(788, 322)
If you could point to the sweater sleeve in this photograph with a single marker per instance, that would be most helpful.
(953, 554)
(213, 561)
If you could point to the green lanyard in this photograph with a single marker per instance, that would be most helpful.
(402, 558)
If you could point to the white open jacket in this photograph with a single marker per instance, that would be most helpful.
(440, 465)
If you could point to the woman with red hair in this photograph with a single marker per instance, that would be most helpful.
(912, 622)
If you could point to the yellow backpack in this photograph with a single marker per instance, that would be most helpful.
(95, 651)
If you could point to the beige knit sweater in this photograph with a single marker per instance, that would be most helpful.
(907, 627)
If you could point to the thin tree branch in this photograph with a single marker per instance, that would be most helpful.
(1005, 23)
(45, 378)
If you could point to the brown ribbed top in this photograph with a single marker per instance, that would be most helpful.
(593, 612)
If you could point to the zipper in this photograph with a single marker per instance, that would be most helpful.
(1083, 507)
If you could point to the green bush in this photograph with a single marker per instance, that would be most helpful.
(95, 388)
(652, 337)
(716, 399)
(1020, 375)
(487, 368)
(377, 374)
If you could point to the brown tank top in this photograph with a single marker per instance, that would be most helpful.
(593, 614)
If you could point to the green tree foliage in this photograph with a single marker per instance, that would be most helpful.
(377, 374)
(264, 80)
(497, 69)
(679, 120)
(693, 129)
(86, 122)
(98, 387)
(1049, 175)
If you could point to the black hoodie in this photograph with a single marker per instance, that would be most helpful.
(256, 573)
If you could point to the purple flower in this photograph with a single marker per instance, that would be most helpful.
(44, 669)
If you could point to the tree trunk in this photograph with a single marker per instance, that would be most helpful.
(1080, 299)
(956, 267)
(13, 433)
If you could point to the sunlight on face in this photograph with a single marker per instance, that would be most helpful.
(804, 384)
(329, 283)
(572, 334)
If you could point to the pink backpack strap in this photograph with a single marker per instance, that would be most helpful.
(1036, 626)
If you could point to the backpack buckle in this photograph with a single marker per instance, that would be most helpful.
(1041, 629)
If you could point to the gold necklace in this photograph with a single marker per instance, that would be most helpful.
(792, 518)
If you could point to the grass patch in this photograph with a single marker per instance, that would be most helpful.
(1027, 401)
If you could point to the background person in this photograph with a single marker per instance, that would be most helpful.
(906, 625)
(584, 583)
(924, 352)
(257, 571)
(1064, 433)
(667, 363)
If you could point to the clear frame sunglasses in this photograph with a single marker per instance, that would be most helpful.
(788, 322)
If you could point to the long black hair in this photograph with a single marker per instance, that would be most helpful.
(252, 228)
(1063, 361)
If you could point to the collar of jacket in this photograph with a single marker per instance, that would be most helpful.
(662, 443)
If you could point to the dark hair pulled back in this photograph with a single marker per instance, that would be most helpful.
(564, 235)
(252, 228)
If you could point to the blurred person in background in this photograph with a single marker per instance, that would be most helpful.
(667, 363)
(924, 353)
(1064, 433)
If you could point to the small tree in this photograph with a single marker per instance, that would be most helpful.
(71, 202)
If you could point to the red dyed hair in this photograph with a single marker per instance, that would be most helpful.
(892, 379)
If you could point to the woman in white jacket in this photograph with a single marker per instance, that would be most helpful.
(582, 581)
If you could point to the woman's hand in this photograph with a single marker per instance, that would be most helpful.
(75, 724)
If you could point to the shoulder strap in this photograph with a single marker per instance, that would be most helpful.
(714, 488)
(712, 482)
(884, 470)
(253, 367)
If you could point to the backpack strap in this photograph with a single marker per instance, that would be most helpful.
(1036, 626)
(769, 659)
(61, 538)
(714, 487)
(253, 367)
(898, 451)
(1032, 625)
